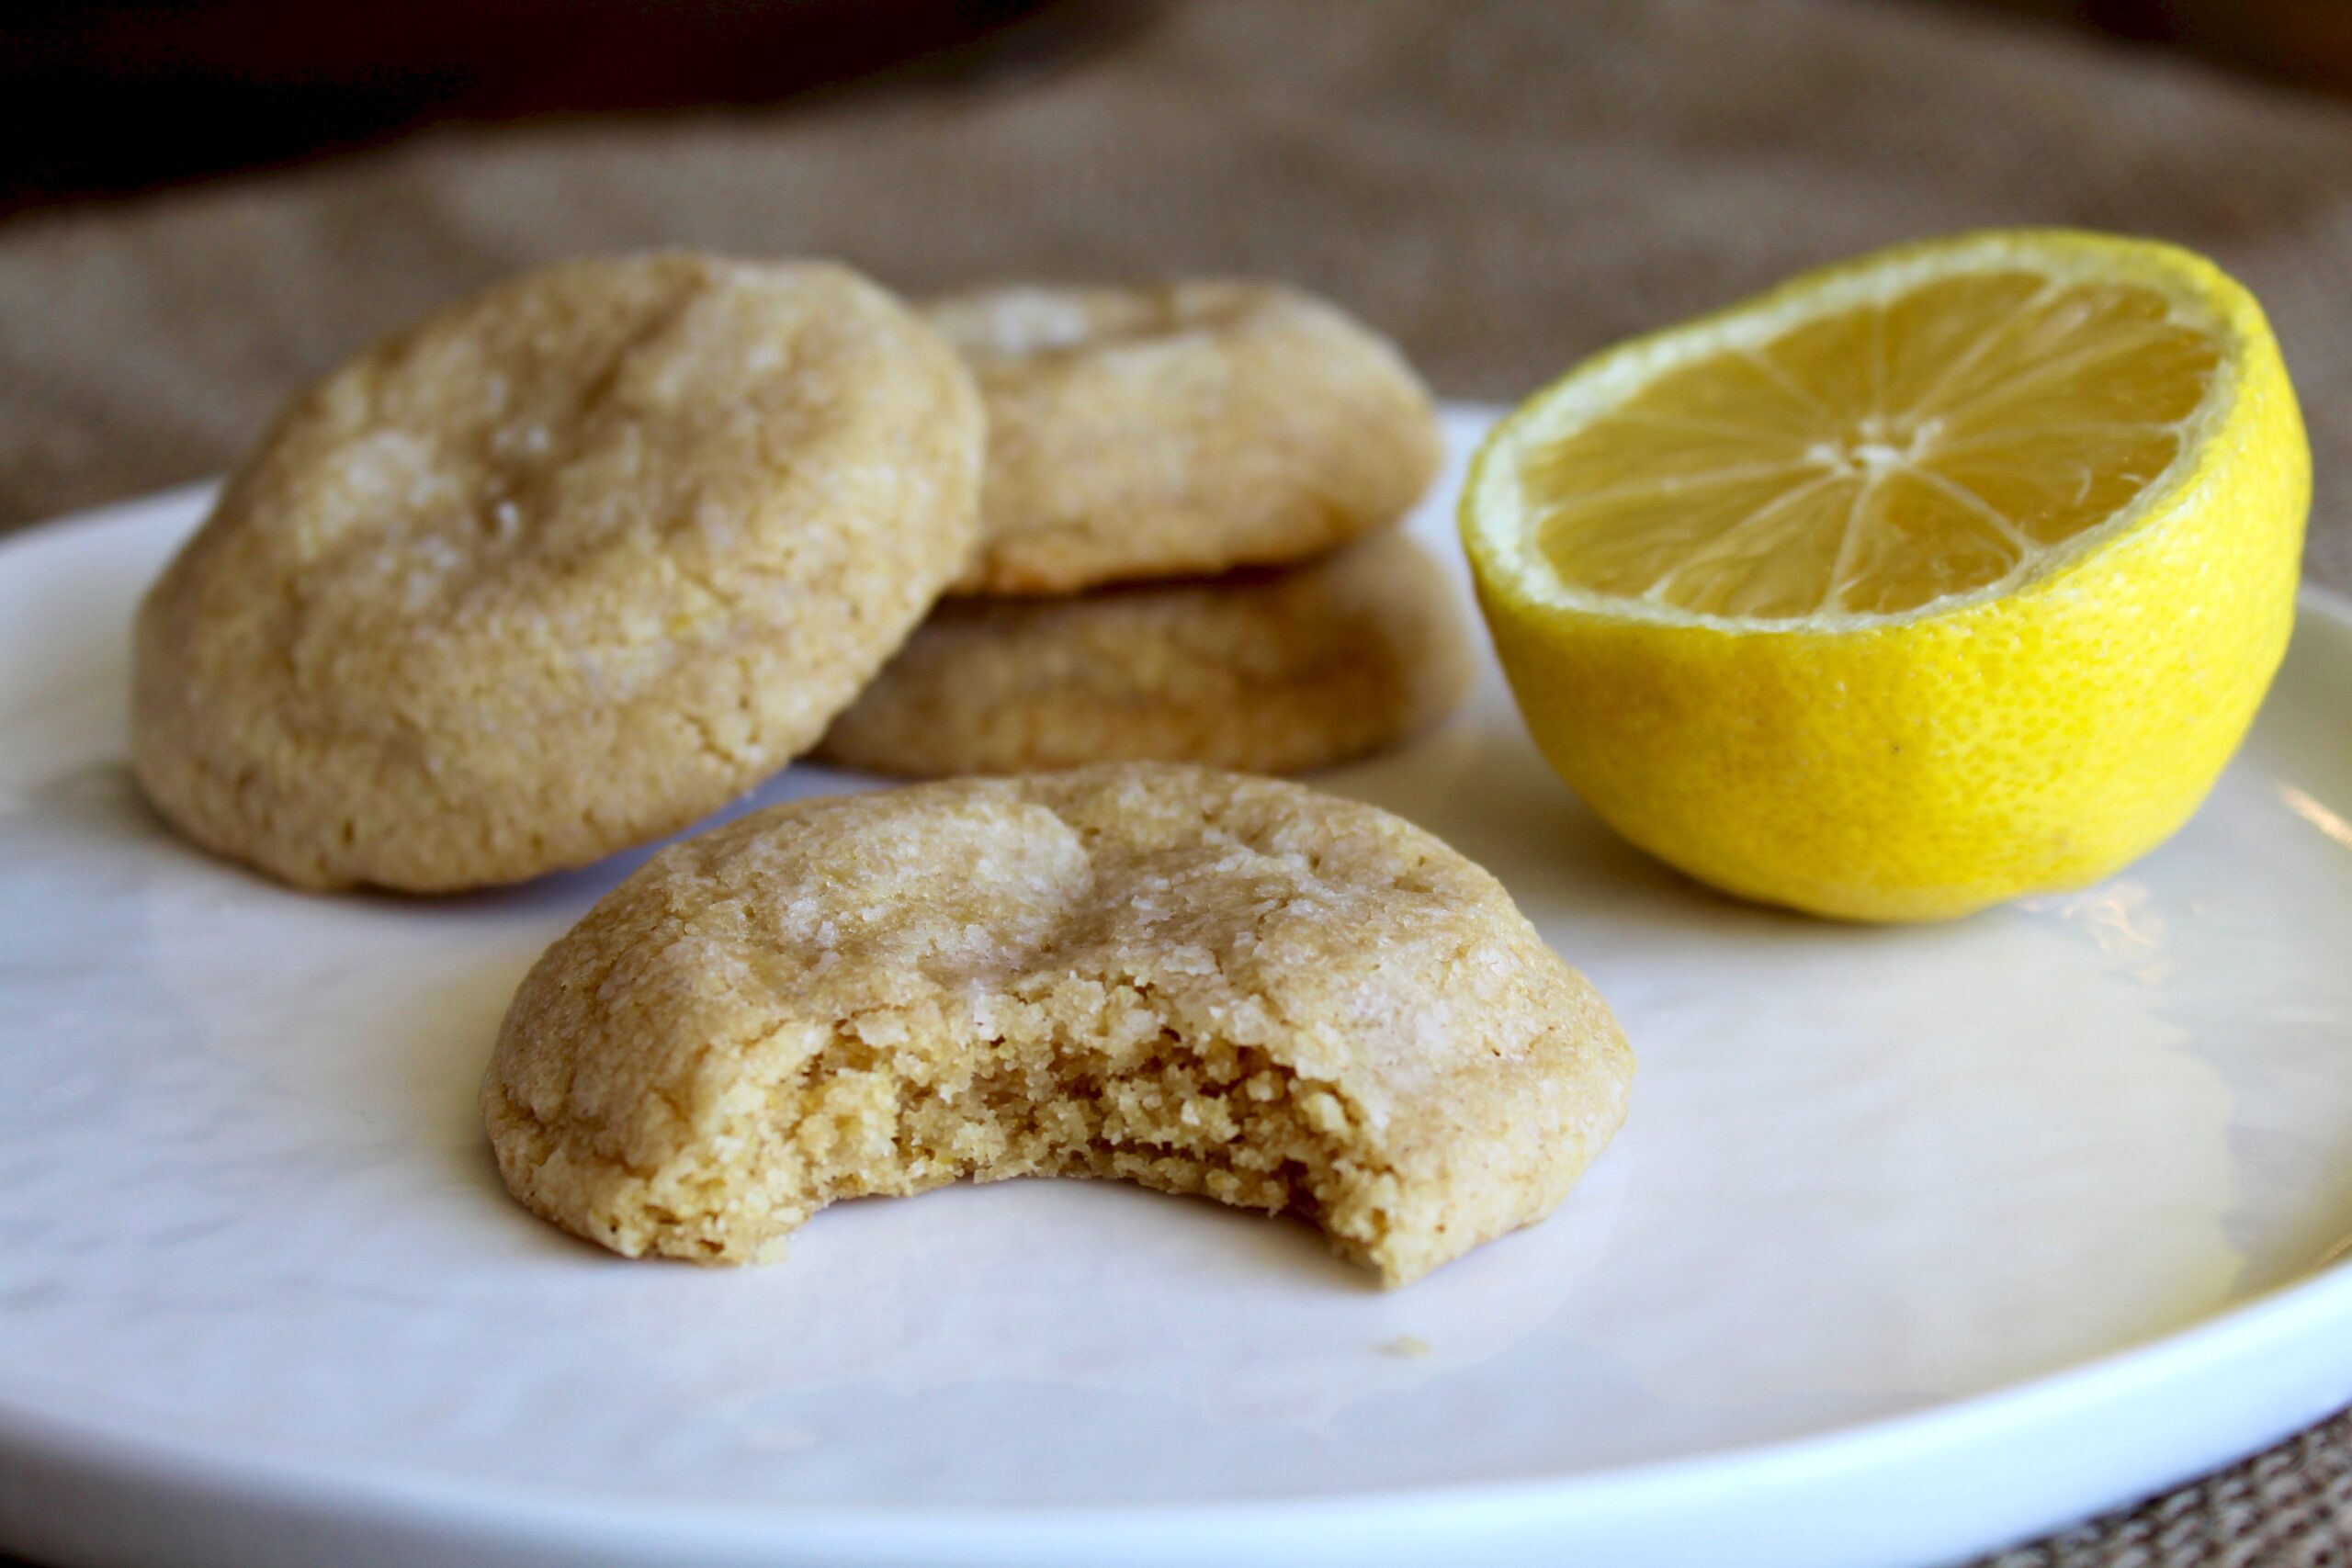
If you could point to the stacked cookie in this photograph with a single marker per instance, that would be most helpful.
(1187, 544)
(571, 564)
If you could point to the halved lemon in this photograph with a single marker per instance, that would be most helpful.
(1944, 576)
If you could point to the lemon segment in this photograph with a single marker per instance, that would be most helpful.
(1948, 575)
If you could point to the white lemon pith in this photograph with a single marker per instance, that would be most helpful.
(1948, 575)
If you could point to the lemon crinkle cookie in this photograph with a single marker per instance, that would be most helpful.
(559, 570)
(1197, 981)
(1270, 671)
(1180, 430)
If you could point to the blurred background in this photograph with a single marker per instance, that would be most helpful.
(107, 97)
(103, 98)
(205, 203)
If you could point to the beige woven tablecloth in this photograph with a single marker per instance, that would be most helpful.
(1503, 187)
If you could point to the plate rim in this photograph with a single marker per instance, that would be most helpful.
(2324, 1294)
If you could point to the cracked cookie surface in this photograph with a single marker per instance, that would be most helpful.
(561, 568)
(1180, 430)
(1200, 982)
(1270, 672)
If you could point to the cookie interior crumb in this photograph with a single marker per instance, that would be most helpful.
(887, 1108)
(1202, 1117)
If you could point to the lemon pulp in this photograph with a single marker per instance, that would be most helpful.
(1879, 459)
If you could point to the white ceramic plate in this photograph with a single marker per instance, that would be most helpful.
(1918, 1240)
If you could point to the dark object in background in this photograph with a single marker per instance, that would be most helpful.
(99, 96)
(2307, 42)
(105, 96)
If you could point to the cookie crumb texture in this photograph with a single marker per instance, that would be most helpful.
(1270, 672)
(1200, 982)
(1180, 430)
(559, 570)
